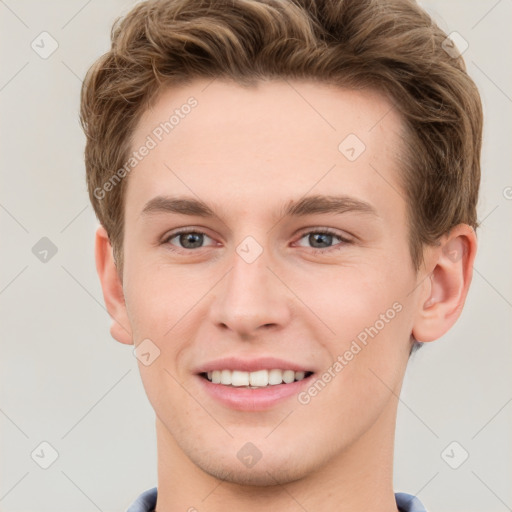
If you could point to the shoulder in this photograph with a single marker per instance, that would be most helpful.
(408, 503)
(146, 502)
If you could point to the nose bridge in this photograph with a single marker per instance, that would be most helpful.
(250, 296)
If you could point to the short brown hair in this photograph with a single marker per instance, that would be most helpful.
(392, 46)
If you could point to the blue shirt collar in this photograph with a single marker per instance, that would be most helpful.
(146, 502)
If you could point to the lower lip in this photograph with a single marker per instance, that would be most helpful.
(244, 399)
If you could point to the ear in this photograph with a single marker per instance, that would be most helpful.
(112, 288)
(445, 290)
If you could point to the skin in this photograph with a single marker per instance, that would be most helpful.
(247, 152)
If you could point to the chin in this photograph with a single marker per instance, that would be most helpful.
(265, 473)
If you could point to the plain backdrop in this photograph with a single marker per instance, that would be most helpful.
(66, 382)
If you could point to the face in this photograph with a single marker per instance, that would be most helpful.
(266, 264)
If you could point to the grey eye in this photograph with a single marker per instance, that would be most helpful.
(319, 240)
(188, 240)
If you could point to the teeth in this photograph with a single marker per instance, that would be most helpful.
(258, 379)
(225, 377)
(288, 376)
(239, 379)
(275, 377)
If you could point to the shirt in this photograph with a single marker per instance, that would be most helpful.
(146, 502)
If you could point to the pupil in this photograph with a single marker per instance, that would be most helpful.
(324, 238)
(191, 240)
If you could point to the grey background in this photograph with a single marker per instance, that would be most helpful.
(66, 382)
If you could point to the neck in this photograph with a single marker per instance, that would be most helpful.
(358, 479)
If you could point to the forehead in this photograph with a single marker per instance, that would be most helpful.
(275, 140)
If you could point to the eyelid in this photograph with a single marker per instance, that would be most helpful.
(344, 240)
(346, 237)
(306, 231)
(168, 236)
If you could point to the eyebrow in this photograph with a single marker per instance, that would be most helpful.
(294, 208)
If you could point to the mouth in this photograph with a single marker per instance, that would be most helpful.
(252, 385)
(259, 379)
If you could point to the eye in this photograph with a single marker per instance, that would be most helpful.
(187, 239)
(323, 239)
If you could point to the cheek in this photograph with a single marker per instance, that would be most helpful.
(155, 300)
(160, 304)
(364, 377)
(358, 298)
(370, 313)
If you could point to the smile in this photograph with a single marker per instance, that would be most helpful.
(254, 380)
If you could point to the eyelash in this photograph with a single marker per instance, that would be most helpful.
(327, 231)
(317, 231)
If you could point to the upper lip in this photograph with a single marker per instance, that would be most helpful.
(250, 365)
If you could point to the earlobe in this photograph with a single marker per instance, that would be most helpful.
(447, 285)
(112, 288)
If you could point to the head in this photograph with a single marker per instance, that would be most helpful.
(270, 129)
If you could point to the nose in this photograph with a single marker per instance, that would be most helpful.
(251, 299)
